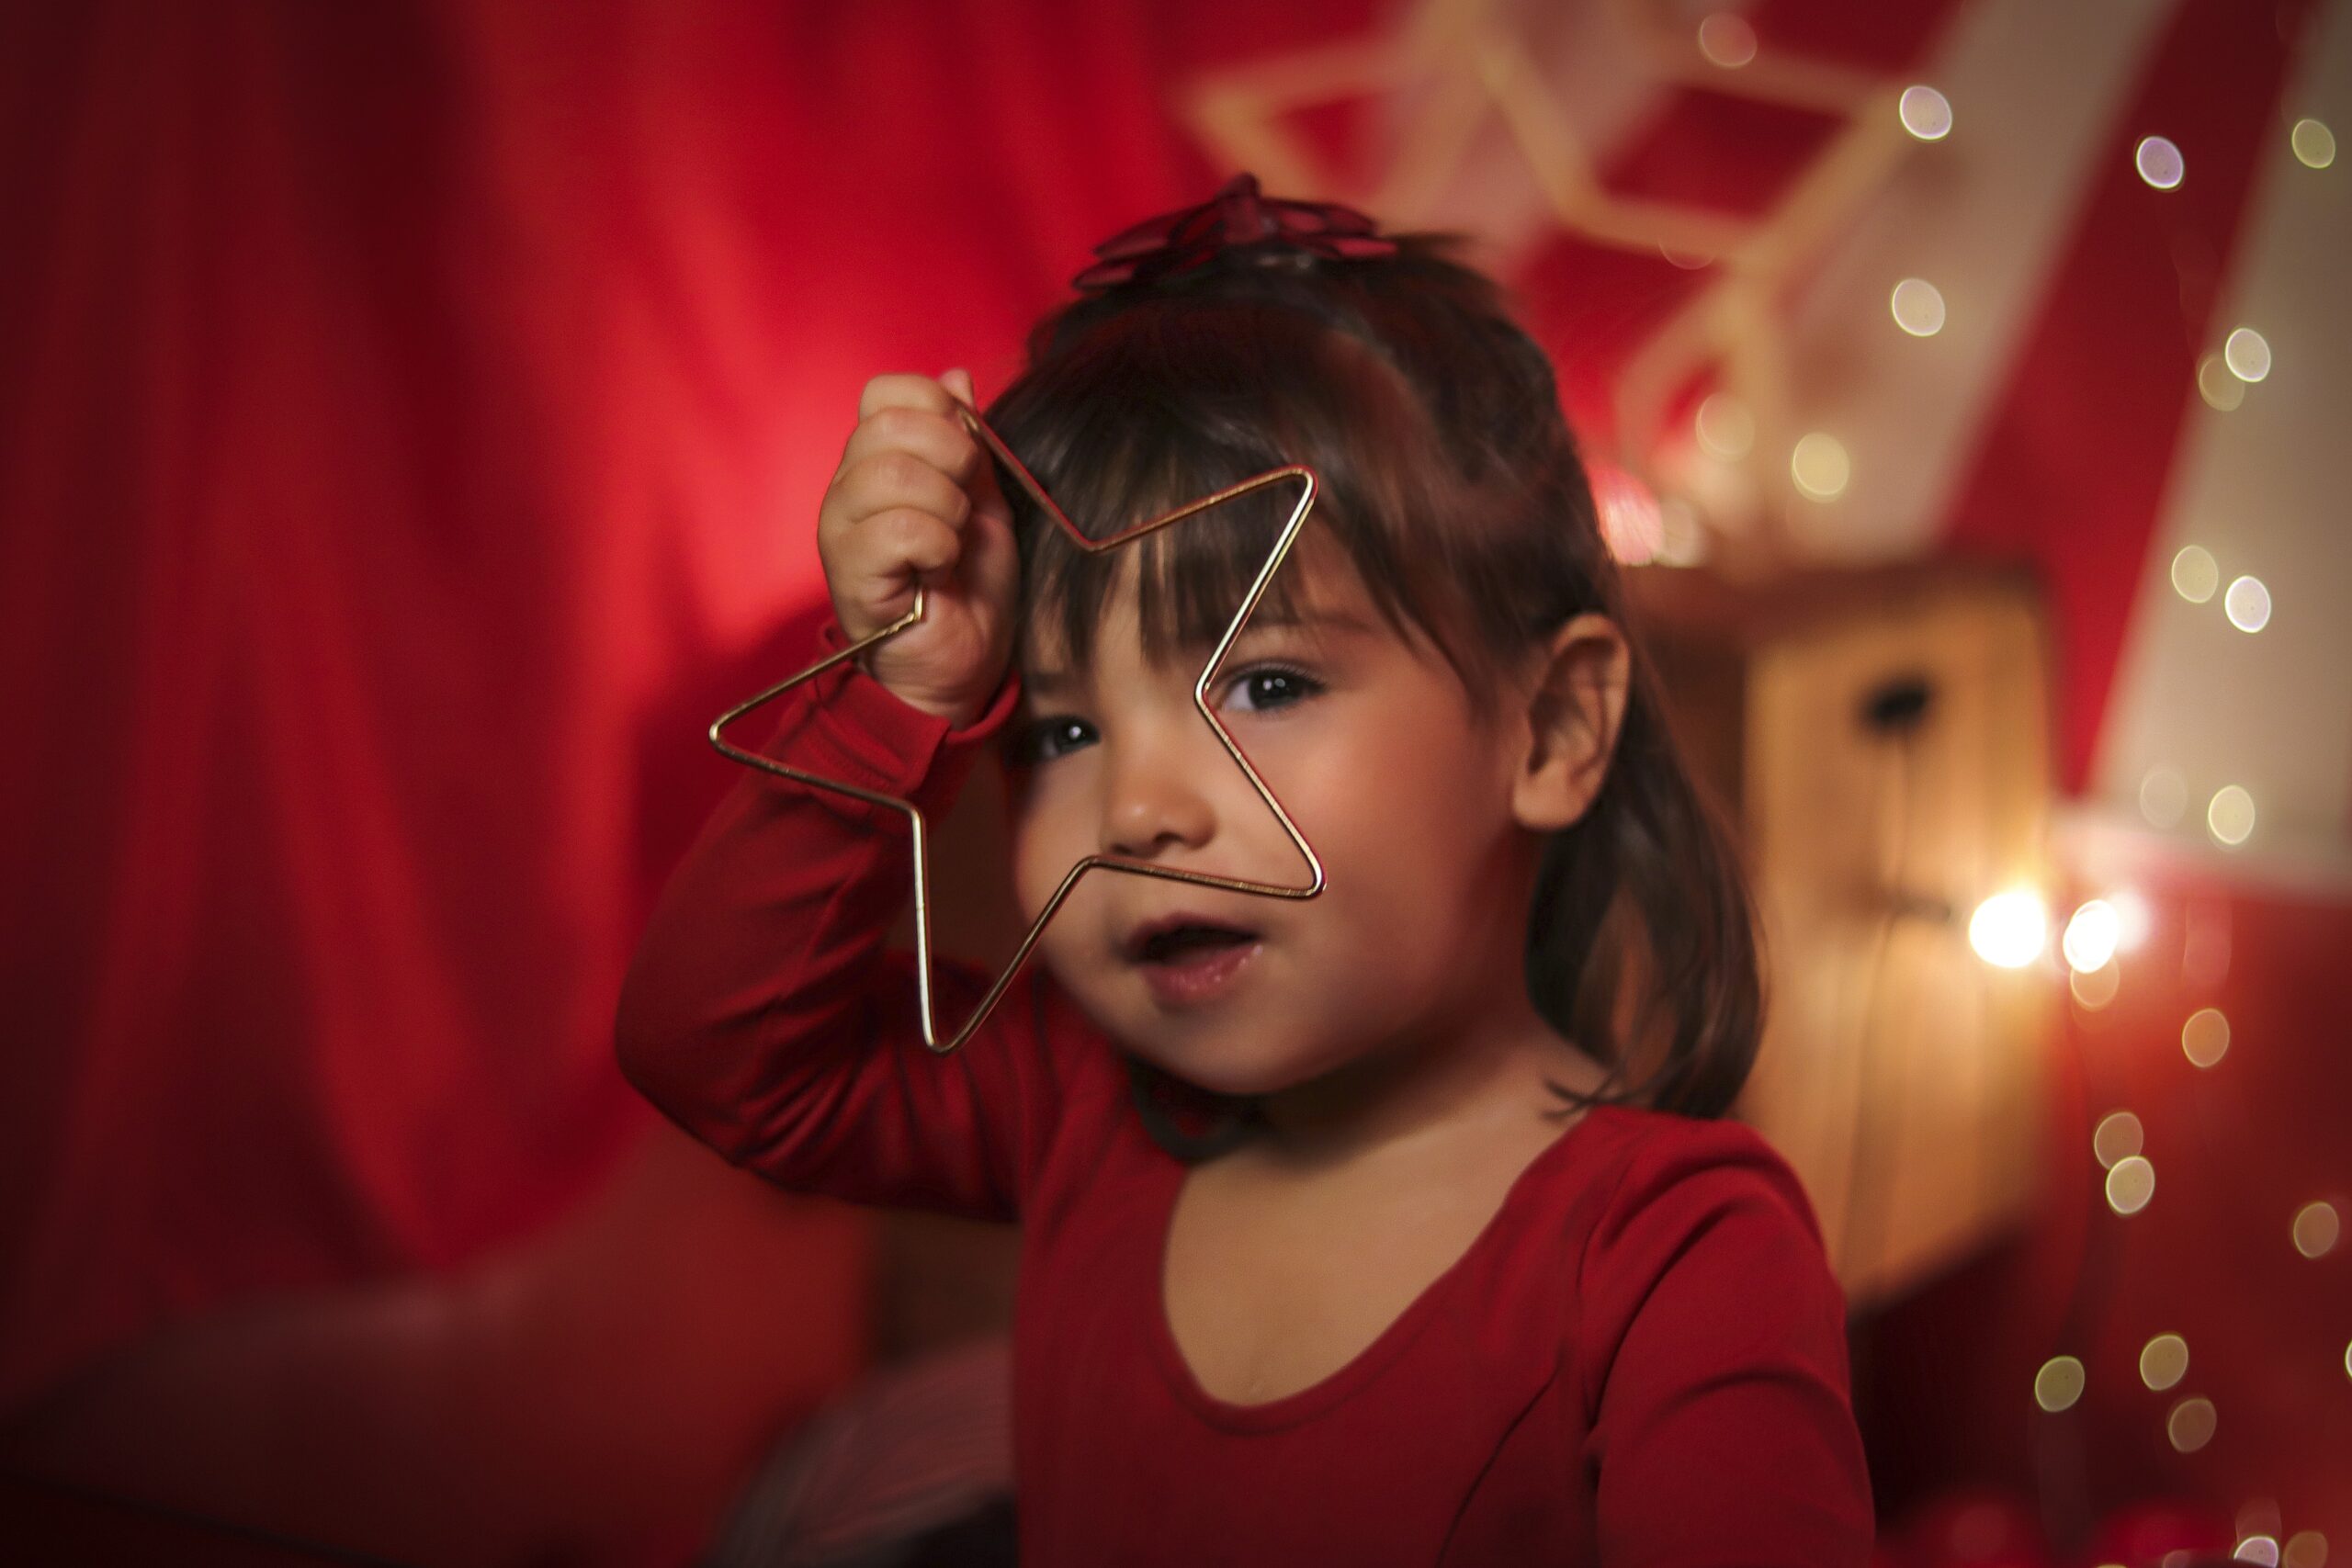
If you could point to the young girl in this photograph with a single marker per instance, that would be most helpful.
(1395, 1226)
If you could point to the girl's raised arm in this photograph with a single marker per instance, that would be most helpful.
(764, 1014)
(761, 1010)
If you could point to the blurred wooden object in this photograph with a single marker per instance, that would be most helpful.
(1900, 1072)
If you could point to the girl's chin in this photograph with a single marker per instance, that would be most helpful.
(1228, 1072)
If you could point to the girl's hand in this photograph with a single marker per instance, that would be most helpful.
(916, 500)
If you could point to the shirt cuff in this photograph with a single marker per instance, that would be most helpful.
(846, 724)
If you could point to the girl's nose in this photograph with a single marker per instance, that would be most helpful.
(1153, 803)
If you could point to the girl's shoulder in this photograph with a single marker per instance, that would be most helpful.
(1658, 1180)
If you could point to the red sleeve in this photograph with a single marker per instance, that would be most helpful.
(763, 1013)
(1713, 1344)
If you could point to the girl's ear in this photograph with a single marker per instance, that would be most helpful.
(1576, 701)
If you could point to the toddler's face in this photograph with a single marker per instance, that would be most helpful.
(1370, 744)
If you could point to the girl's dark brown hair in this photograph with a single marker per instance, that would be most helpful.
(1449, 477)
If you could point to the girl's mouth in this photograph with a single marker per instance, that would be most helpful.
(1186, 962)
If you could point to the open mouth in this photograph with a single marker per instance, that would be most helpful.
(1185, 941)
(1190, 963)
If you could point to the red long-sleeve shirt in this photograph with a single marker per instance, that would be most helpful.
(1640, 1360)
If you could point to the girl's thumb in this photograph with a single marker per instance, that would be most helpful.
(959, 382)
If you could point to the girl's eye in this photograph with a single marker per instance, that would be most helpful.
(1270, 686)
(1048, 738)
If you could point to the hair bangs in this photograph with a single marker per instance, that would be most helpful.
(1164, 407)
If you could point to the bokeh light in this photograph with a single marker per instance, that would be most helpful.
(2159, 163)
(2164, 1362)
(2118, 1136)
(2317, 1228)
(1727, 39)
(2095, 988)
(1918, 307)
(2315, 144)
(1724, 427)
(1820, 467)
(2194, 574)
(2247, 603)
(2205, 1038)
(2307, 1549)
(2059, 1384)
(2191, 1424)
(2220, 390)
(1926, 113)
(2229, 816)
(2091, 935)
(2261, 1548)
(2130, 1182)
(2010, 929)
(2247, 353)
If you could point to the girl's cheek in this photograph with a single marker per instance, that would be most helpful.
(1038, 822)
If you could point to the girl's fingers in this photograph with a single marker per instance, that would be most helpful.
(938, 439)
(905, 538)
(893, 479)
(906, 391)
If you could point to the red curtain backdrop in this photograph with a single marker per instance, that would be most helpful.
(413, 422)
(411, 419)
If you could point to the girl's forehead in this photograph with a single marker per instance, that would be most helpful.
(1316, 584)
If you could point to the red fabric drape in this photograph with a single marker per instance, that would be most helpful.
(412, 425)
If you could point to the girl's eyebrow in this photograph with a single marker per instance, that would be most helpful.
(1038, 677)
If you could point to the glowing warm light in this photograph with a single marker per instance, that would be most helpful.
(2117, 1136)
(1727, 40)
(2307, 1549)
(1725, 427)
(2134, 920)
(1926, 113)
(2163, 797)
(1918, 307)
(1629, 513)
(2164, 1362)
(2205, 1038)
(1820, 467)
(2247, 603)
(2009, 929)
(2059, 1384)
(2091, 935)
(2260, 1548)
(2317, 1227)
(2130, 1184)
(2220, 390)
(2315, 147)
(2229, 816)
(2095, 988)
(2247, 353)
(2159, 162)
(2194, 575)
(2190, 1425)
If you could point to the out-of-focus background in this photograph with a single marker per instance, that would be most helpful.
(412, 421)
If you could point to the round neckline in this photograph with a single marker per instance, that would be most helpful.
(1367, 1363)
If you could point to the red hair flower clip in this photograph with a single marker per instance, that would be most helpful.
(1237, 217)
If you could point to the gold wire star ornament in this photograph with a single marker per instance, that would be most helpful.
(1305, 479)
